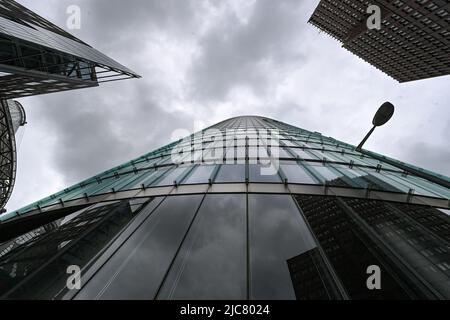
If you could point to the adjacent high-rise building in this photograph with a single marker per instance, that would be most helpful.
(37, 57)
(413, 42)
(249, 208)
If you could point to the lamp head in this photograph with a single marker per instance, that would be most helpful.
(384, 114)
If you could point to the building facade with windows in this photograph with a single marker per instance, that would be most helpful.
(249, 208)
(412, 44)
(37, 57)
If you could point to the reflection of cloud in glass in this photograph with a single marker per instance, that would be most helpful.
(277, 233)
(137, 268)
(212, 261)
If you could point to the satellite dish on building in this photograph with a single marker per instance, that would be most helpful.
(383, 115)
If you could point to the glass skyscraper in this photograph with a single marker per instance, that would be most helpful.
(38, 57)
(249, 208)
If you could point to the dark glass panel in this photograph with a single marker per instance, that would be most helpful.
(137, 268)
(212, 261)
(38, 270)
(277, 234)
(311, 278)
(31, 57)
(8, 53)
(423, 249)
(351, 247)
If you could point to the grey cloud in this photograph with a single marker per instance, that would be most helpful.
(93, 134)
(96, 129)
(117, 21)
(426, 154)
(110, 20)
(234, 53)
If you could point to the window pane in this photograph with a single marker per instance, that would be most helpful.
(325, 174)
(144, 178)
(257, 173)
(283, 153)
(382, 234)
(231, 173)
(303, 154)
(136, 270)
(212, 261)
(201, 174)
(296, 173)
(39, 267)
(311, 278)
(155, 176)
(170, 177)
(277, 234)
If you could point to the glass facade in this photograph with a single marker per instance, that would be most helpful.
(276, 212)
(38, 57)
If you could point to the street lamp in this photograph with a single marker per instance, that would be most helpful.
(383, 115)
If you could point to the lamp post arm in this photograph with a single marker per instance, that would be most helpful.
(359, 147)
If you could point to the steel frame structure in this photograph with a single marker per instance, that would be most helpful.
(7, 154)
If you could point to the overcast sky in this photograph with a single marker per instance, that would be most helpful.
(203, 62)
